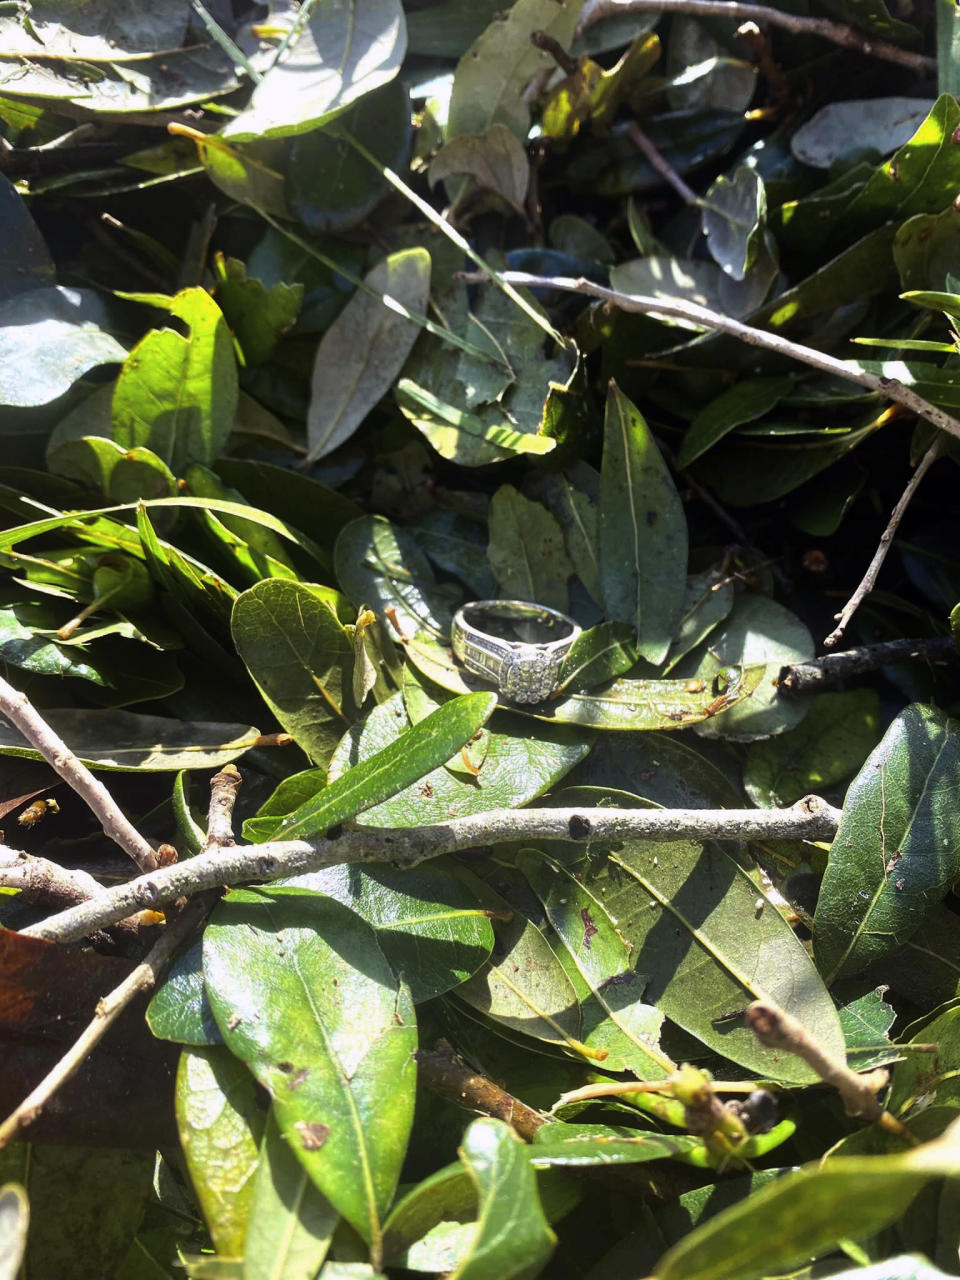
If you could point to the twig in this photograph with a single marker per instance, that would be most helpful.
(837, 32)
(886, 541)
(445, 1073)
(18, 709)
(40, 880)
(680, 310)
(661, 164)
(810, 819)
(142, 978)
(223, 796)
(777, 1029)
(804, 676)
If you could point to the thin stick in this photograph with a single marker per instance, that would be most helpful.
(810, 819)
(223, 796)
(662, 165)
(777, 1029)
(445, 1073)
(142, 978)
(886, 541)
(680, 310)
(836, 32)
(18, 709)
(40, 880)
(803, 677)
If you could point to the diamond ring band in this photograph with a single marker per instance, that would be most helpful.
(516, 645)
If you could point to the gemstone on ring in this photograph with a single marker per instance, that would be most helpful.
(515, 644)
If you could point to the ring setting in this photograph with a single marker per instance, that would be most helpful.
(516, 645)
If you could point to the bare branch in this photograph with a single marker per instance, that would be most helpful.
(18, 709)
(692, 311)
(142, 978)
(803, 677)
(810, 819)
(886, 542)
(836, 32)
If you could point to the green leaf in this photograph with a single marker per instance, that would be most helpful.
(804, 1214)
(14, 1224)
(744, 402)
(177, 395)
(495, 160)
(584, 1146)
(709, 599)
(575, 506)
(382, 775)
(843, 128)
(330, 56)
(513, 1237)
(179, 1010)
(642, 531)
(491, 77)
(220, 1124)
(520, 761)
(291, 1223)
(734, 211)
(49, 338)
(709, 943)
(923, 249)
(921, 177)
(137, 743)
(598, 654)
(449, 1194)
(288, 972)
(381, 565)
(897, 850)
(839, 732)
(121, 475)
(300, 657)
(622, 704)
(26, 643)
(526, 989)
(447, 427)
(590, 935)
(258, 317)
(365, 348)
(866, 1021)
(251, 172)
(428, 924)
(923, 1079)
(758, 632)
(526, 550)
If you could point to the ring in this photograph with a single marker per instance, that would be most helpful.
(517, 645)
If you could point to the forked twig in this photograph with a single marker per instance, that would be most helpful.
(836, 32)
(886, 541)
(19, 710)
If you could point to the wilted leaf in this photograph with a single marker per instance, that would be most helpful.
(365, 348)
(495, 160)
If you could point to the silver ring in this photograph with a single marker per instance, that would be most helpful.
(516, 645)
